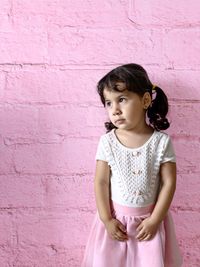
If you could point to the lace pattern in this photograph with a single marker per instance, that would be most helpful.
(135, 172)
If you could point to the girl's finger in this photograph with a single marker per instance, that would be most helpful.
(122, 228)
(120, 225)
(148, 237)
(119, 238)
(142, 237)
(140, 234)
(121, 234)
(139, 228)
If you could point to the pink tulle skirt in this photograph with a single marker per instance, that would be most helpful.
(161, 251)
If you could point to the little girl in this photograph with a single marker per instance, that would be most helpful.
(135, 176)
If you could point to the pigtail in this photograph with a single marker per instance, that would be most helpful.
(158, 110)
(109, 126)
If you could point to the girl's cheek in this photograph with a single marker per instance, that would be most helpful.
(110, 115)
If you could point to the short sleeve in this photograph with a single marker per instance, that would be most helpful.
(101, 151)
(169, 154)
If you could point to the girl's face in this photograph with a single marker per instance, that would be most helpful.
(126, 110)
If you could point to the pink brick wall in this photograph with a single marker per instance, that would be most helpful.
(52, 53)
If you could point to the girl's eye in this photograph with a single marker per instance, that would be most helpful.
(108, 104)
(122, 99)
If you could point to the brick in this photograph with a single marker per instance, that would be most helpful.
(21, 191)
(45, 228)
(16, 47)
(6, 156)
(5, 16)
(55, 120)
(56, 158)
(48, 256)
(79, 46)
(2, 86)
(187, 193)
(184, 120)
(18, 120)
(55, 123)
(69, 119)
(5, 255)
(52, 87)
(179, 85)
(167, 14)
(29, 256)
(186, 222)
(6, 229)
(5, 6)
(177, 43)
(60, 188)
(31, 87)
(187, 156)
(49, 123)
(68, 14)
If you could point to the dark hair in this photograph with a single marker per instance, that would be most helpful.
(135, 79)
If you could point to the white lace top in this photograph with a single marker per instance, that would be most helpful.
(135, 171)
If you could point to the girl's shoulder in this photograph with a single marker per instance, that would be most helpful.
(162, 135)
(107, 136)
(165, 137)
(161, 139)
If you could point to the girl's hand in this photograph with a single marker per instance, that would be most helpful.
(116, 229)
(147, 229)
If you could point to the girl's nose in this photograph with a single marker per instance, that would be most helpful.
(116, 110)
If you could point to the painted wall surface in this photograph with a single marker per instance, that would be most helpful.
(52, 53)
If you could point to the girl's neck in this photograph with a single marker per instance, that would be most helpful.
(144, 130)
(134, 139)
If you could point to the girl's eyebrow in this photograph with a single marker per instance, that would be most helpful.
(122, 94)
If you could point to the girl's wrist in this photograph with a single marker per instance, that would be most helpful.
(155, 220)
(106, 219)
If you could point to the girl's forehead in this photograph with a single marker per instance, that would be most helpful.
(119, 86)
(108, 93)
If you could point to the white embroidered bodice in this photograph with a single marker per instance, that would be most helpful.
(135, 176)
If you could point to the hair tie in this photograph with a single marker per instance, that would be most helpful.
(154, 88)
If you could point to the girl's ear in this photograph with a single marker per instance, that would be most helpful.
(146, 100)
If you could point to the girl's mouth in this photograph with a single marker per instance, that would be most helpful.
(119, 121)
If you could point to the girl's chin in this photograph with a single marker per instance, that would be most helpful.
(124, 127)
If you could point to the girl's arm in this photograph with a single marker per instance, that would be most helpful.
(148, 227)
(168, 187)
(102, 190)
(101, 186)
